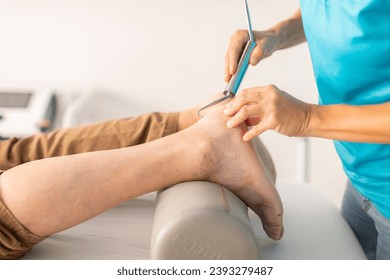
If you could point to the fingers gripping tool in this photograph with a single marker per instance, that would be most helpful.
(235, 81)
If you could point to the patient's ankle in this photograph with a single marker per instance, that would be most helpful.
(187, 118)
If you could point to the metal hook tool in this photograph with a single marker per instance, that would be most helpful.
(235, 81)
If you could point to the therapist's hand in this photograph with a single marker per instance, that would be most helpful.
(266, 45)
(269, 108)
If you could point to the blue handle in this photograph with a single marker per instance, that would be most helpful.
(236, 79)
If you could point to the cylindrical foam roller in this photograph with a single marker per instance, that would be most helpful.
(201, 220)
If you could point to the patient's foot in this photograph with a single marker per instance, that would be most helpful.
(234, 163)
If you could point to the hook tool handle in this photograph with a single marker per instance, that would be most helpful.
(236, 79)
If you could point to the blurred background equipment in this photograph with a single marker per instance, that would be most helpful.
(26, 112)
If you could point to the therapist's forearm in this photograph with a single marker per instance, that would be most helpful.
(290, 31)
(367, 124)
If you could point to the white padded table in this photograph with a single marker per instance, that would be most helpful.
(314, 229)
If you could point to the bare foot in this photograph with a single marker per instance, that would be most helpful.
(235, 164)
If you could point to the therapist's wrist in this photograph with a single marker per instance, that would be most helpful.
(313, 120)
(319, 121)
(277, 35)
(288, 33)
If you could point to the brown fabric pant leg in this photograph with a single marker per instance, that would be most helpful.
(100, 136)
(15, 239)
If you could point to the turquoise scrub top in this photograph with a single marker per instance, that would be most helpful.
(349, 42)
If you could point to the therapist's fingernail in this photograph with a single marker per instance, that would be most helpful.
(229, 124)
(226, 111)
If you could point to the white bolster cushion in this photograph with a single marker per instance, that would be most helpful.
(201, 220)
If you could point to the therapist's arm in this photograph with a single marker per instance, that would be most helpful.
(285, 34)
(368, 123)
(269, 108)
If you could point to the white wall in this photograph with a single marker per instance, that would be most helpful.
(163, 54)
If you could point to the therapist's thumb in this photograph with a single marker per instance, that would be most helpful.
(233, 54)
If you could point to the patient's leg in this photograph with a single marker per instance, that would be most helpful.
(112, 134)
(50, 195)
